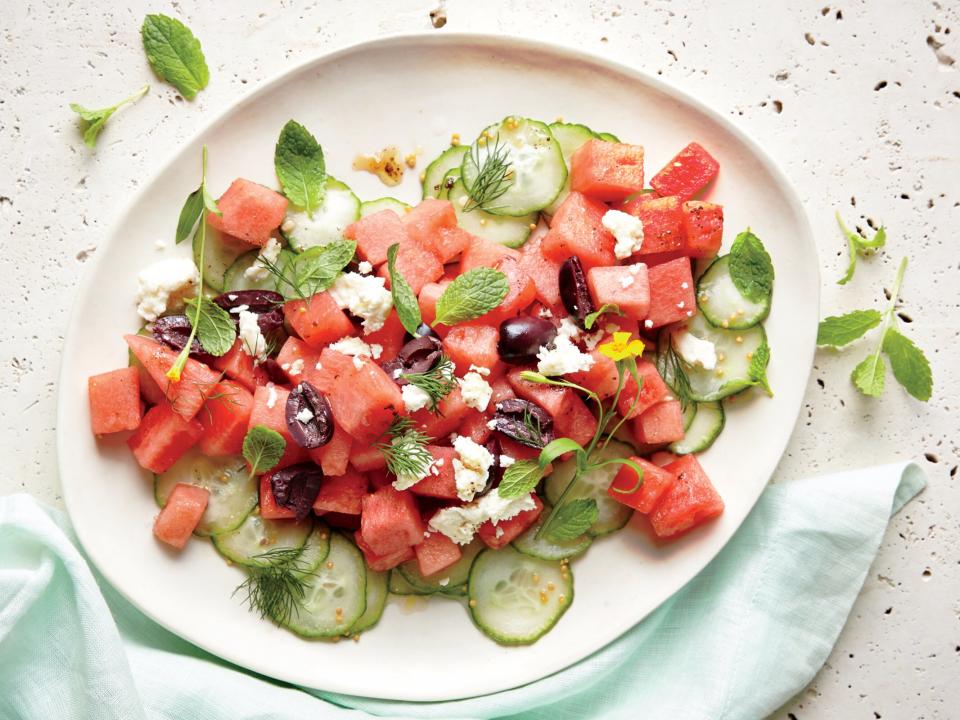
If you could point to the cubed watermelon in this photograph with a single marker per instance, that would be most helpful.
(294, 357)
(237, 364)
(181, 515)
(375, 233)
(502, 390)
(519, 451)
(440, 484)
(437, 552)
(654, 390)
(366, 458)
(114, 401)
(269, 509)
(485, 253)
(544, 271)
(468, 345)
(318, 320)
(391, 337)
(270, 410)
(506, 531)
(555, 400)
(656, 480)
(364, 399)
(689, 501)
(451, 243)
(626, 286)
(703, 228)
(520, 294)
(162, 437)
(601, 378)
(426, 224)
(662, 423)
(151, 393)
(577, 229)
(341, 494)
(427, 299)
(382, 563)
(687, 173)
(225, 419)
(663, 228)
(452, 411)
(196, 380)
(249, 212)
(475, 426)
(607, 170)
(417, 264)
(379, 477)
(577, 423)
(390, 521)
(663, 458)
(334, 457)
(672, 297)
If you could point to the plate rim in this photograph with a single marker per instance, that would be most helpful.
(479, 39)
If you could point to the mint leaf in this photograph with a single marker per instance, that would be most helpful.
(298, 159)
(909, 364)
(315, 269)
(572, 519)
(610, 308)
(471, 295)
(758, 367)
(189, 214)
(263, 448)
(216, 330)
(408, 309)
(175, 54)
(751, 268)
(93, 121)
(839, 330)
(519, 479)
(857, 244)
(869, 375)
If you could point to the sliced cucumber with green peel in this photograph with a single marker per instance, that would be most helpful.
(689, 413)
(236, 277)
(340, 208)
(570, 136)
(233, 492)
(376, 601)
(219, 255)
(257, 536)
(450, 581)
(535, 165)
(501, 229)
(529, 544)
(612, 515)
(449, 180)
(721, 302)
(369, 207)
(515, 599)
(335, 595)
(706, 426)
(608, 137)
(437, 170)
(397, 585)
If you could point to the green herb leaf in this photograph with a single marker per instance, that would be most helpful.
(189, 214)
(750, 267)
(909, 364)
(404, 300)
(277, 582)
(93, 121)
(216, 330)
(869, 375)
(758, 367)
(263, 448)
(311, 271)
(175, 54)
(298, 159)
(858, 245)
(406, 453)
(491, 161)
(573, 519)
(437, 382)
(610, 308)
(840, 330)
(520, 478)
(556, 448)
(471, 295)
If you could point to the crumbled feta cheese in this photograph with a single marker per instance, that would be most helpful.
(408, 480)
(364, 268)
(397, 373)
(593, 339)
(271, 395)
(318, 366)
(251, 338)
(694, 350)
(364, 296)
(569, 328)
(506, 461)
(353, 346)
(471, 469)
(648, 324)
(376, 350)
(562, 357)
(239, 309)
(305, 415)
(627, 230)
(482, 370)
(443, 582)
(164, 285)
(681, 305)
(626, 281)
(460, 523)
(475, 391)
(685, 285)
(269, 254)
(636, 268)
(414, 398)
(545, 312)
(492, 424)
(296, 367)
(498, 531)
(232, 297)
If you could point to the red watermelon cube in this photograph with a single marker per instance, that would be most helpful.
(544, 271)
(270, 410)
(437, 552)
(452, 411)
(484, 253)
(475, 427)
(181, 515)
(654, 390)
(577, 423)
(269, 509)
(663, 228)
(502, 390)
(703, 228)
(555, 400)
(662, 458)
(333, 458)
(375, 233)
(433, 224)
(318, 320)
(577, 229)
(687, 173)
(626, 286)
(151, 393)
(607, 170)
(341, 494)
(427, 299)
(451, 243)
(506, 531)
(656, 481)
(468, 345)
(390, 521)
(114, 400)
(296, 356)
(416, 263)
(441, 483)
(521, 292)
(196, 380)
(519, 451)
(162, 437)
(237, 364)
(672, 297)
(366, 458)
(249, 212)
(364, 399)
(689, 501)
(382, 563)
(662, 423)
(225, 419)
(391, 337)
(601, 378)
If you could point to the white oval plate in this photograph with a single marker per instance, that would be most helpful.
(414, 92)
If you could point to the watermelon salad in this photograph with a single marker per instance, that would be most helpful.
(453, 399)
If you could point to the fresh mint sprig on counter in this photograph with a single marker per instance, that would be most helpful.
(95, 120)
(474, 293)
(404, 299)
(859, 245)
(301, 168)
(175, 54)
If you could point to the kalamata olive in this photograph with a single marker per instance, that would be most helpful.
(296, 487)
(267, 305)
(495, 473)
(173, 331)
(524, 421)
(521, 338)
(574, 291)
(275, 373)
(309, 418)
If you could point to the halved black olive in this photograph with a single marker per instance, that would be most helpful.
(173, 331)
(416, 356)
(574, 291)
(521, 338)
(296, 487)
(309, 418)
(267, 305)
(495, 473)
(524, 421)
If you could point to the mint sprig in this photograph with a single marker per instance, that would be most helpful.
(301, 168)
(474, 293)
(263, 448)
(573, 519)
(839, 330)
(175, 54)
(859, 245)
(519, 479)
(215, 329)
(93, 121)
(751, 268)
(405, 302)
(312, 271)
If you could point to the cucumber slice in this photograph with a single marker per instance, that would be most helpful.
(236, 279)
(340, 583)
(570, 136)
(501, 229)
(449, 180)
(233, 493)
(398, 585)
(609, 137)
(376, 601)
(369, 207)
(529, 544)
(721, 302)
(451, 581)
(510, 599)
(689, 413)
(535, 159)
(706, 426)
(340, 208)
(219, 255)
(612, 515)
(256, 536)
(437, 170)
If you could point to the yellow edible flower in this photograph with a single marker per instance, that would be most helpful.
(622, 347)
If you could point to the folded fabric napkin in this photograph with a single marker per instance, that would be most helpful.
(737, 642)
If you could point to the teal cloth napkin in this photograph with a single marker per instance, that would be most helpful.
(737, 642)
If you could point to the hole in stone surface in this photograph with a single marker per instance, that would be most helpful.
(903, 316)
(880, 86)
(888, 611)
(821, 383)
(931, 458)
(778, 106)
(810, 40)
(825, 11)
(839, 15)
(927, 574)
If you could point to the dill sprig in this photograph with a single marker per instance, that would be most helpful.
(437, 382)
(274, 588)
(296, 284)
(406, 453)
(494, 175)
(671, 368)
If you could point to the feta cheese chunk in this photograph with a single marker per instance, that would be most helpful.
(569, 328)
(364, 296)
(414, 398)
(355, 347)
(405, 481)
(164, 286)
(364, 268)
(296, 368)
(270, 253)
(471, 469)
(694, 350)
(305, 415)
(562, 357)
(252, 340)
(475, 391)
(626, 229)
(461, 523)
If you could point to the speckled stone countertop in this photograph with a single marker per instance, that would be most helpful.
(859, 101)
